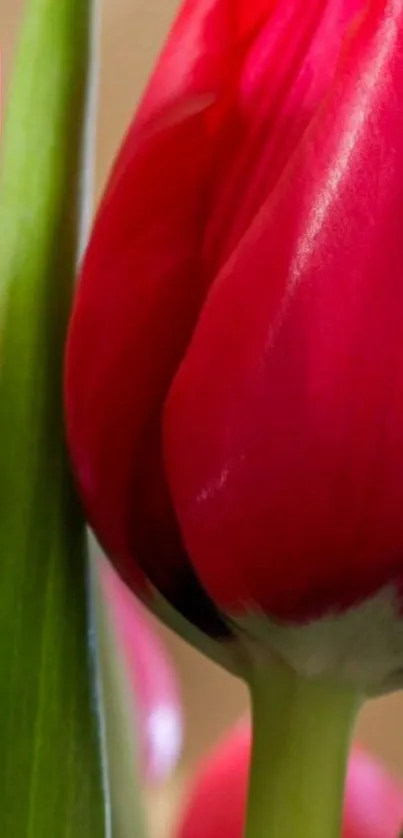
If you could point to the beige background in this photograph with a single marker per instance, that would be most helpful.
(132, 31)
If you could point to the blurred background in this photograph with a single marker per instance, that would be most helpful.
(132, 32)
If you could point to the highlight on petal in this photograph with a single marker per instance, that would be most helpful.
(157, 709)
(281, 81)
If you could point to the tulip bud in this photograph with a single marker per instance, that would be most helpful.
(234, 380)
(373, 804)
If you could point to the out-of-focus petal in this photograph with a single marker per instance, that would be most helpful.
(157, 709)
(373, 805)
(216, 805)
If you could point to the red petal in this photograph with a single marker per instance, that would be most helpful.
(279, 87)
(141, 288)
(284, 428)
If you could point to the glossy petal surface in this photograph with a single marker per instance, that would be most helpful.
(283, 429)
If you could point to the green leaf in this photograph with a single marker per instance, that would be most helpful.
(51, 783)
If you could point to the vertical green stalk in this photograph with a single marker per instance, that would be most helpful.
(301, 736)
(50, 766)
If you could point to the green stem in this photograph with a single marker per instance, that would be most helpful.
(301, 735)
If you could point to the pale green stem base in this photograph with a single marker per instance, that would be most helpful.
(301, 736)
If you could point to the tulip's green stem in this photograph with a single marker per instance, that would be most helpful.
(301, 735)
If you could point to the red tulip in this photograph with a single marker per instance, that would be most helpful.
(373, 800)
(235, 360)
(150, 676)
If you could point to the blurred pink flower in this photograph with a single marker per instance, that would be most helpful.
(153, 686)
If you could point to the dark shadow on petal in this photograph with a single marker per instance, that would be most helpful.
(184, 592)
(156, 544)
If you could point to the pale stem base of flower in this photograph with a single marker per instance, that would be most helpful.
(301, 736)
